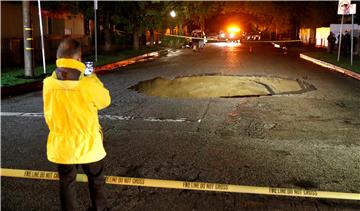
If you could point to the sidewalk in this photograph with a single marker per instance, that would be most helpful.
(324, 59)
(37, 85)
(330, 66)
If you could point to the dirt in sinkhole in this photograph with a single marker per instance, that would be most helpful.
(220, 86)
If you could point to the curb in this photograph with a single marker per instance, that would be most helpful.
(19, 89)
(142, 58)
(331, 66)
(10, 91)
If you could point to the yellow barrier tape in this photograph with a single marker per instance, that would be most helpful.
(29, 49)
(29, 38)
(243, 41)
(28, 29)
(270, 41)
(172, 184)
(189, 37)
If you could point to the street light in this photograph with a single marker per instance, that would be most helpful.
(173, 13)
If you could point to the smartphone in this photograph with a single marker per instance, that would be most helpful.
(89, 68)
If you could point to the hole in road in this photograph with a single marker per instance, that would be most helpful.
(211, 86)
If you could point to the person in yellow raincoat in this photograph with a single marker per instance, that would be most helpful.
(71, 103)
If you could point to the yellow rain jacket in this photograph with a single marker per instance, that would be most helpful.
(71, 113)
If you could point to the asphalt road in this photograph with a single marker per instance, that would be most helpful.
(309, 140)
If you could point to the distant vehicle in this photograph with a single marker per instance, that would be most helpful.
(199, 39)
(222, 36)
(253, 37)
(232, 34)
(212, 37)
(234, 37)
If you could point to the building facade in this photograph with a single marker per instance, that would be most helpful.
(56, 26)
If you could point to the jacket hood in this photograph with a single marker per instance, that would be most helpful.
(70, 64)
(69, 69)
(62, 84)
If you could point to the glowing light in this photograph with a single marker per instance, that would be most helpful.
(321, 36)
(233, 29)
(173, 13)
(222, 35)
(276, 45)
(231, 35)
(227, 44)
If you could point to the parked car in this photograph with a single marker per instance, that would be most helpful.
(232, 35)
(253, 37)
(198, 39)
(212, 37)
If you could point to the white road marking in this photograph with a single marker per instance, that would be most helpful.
(154, 119)
(114, 117)
(110, 117)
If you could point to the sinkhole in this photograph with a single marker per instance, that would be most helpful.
(220, 86)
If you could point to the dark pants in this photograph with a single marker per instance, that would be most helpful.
(94, 172)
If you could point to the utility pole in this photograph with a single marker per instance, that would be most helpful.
(28, 40)
(340, 35)
(95, 26)
(352, 40)
(42, 37)
(352, 12)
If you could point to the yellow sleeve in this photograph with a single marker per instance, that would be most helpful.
(99, 94)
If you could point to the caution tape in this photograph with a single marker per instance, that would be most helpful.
(188, 37)
(270, 41)
(242, 41)
(201, 186)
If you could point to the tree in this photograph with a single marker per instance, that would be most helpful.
(284, 17)
(107, 10)
(153, 19)
(139, 16)
(128, 14)
(270, 17)
(183, 14)
(316, 14)
(201, 10)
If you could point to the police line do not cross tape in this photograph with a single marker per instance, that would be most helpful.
(200, 186)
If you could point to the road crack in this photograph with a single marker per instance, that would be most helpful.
(203, 116)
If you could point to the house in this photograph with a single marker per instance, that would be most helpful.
(307, 36)
(321, 36)
(55, 27)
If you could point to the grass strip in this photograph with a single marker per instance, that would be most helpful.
(15, 76)
(332, 59)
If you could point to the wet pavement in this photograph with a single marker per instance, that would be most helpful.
(304, 140)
